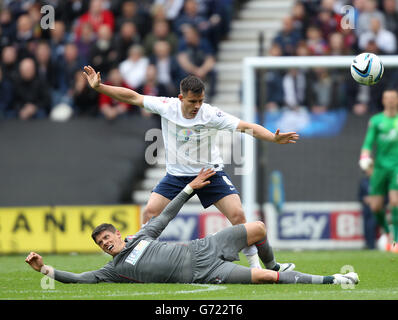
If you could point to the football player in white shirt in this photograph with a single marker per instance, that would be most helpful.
(188, 127)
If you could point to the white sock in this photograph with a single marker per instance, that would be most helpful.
(252, 256)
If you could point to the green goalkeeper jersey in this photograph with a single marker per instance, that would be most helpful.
(382, 134)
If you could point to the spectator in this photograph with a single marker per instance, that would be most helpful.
(111, 108)
(172, 8)
(391, 15)
(35, 17)
(321, 90)
(295, 114)
(133, 69)
(327, 22)
(339, 76)
(191, 17)
(316, 44)
(273, 83)
(288, 37)
(32, 98)
(364, 20)
(166, 66)
(103, 55)
(295, 88)
(9, 59)
(46, 68)
(384, 39)
(17, 7)
(336, 45)
(216, 14)
(68, 66)
(131, 13)
(85, 100)
(196, 57)
(158, 13)
(302, 49)
(24, 36)
(96, 16)
(350, 40)
(86, 42)
(301, 19)
(125, 39)
(69, 11)
(6, 95)
(151, 86)
(57, 40)
(160, 31)
(7, 27)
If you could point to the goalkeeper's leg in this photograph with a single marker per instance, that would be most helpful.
(393, 199)
(376, 204)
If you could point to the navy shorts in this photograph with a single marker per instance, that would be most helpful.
(219, 187)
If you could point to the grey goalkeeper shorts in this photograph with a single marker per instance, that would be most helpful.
(212, 256)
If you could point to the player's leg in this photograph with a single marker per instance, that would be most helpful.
(166, 190)
(231, 207)
(155, 205)
(257, 235)
(378, 185)
(296, 277)
(393, 202)
(241, 274)
(376, 204)
(230, 241)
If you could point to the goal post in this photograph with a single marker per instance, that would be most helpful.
(249, 67)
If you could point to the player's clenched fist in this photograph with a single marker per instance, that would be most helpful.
(35, 261)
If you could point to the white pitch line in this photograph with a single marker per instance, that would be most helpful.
(205, 288)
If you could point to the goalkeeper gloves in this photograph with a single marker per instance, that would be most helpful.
(365, 162)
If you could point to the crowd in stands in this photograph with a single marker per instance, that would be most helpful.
(150, 45)
(145, 45)
(326, 27)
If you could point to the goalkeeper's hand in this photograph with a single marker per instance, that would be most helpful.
(365, 162)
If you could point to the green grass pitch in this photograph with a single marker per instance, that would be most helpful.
(378, 273)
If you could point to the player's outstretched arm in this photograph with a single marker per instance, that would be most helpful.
(36, 262)
(262, 133)
(118, 93)
(156, 225)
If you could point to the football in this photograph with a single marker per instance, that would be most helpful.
(367, 69)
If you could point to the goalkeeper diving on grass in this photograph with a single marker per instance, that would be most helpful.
(144, 259)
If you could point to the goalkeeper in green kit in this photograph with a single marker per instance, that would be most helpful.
(382, 138)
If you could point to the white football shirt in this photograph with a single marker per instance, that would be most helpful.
(190, 144)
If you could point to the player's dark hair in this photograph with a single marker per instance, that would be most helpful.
(193, 84)
(101, 228)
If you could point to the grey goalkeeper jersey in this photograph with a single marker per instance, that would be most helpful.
(144, 258)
